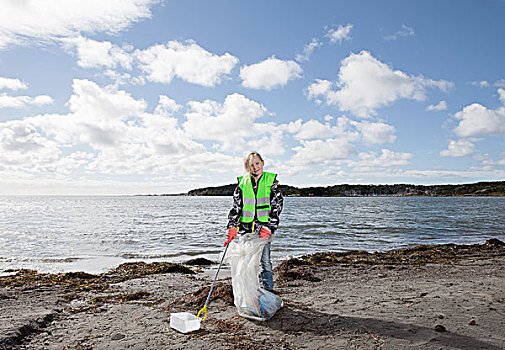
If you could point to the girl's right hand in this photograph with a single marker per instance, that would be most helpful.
(230, 235)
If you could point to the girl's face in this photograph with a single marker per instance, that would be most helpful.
(256, 166)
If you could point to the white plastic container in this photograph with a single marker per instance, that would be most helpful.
(184, 322)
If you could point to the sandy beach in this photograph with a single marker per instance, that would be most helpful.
(426, 297)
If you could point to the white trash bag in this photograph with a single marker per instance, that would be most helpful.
(252, 301)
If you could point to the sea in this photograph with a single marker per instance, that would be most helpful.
(97, 233)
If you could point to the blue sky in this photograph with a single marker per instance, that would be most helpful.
(139, 96)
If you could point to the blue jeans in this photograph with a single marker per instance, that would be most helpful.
(267, 272)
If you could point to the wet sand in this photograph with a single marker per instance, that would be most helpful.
(427, 297)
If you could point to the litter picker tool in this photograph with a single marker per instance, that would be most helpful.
(204, 309)
(184, 321)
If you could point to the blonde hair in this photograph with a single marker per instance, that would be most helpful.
(247, 160)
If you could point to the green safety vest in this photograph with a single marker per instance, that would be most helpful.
(256, 204)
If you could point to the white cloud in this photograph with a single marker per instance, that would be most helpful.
(308, 50)
(387, 158)
(404, 32)
(366, 84)
(345, 129)
(99, 54)
(7, 101)
(489, 164)
(269, 74)
(477, 120)
(459, 148)
(160, 63)
(123, 138)
(376, 133)
(313, 129)
(23, 22)
(321, 88)
(229, 123)
(340, 34)
(321, 152)
(271, 141)
(167, 106)
(500, 83)
(441, 106)
(23, 148)
(98, 116)
(188, 61)
(481, 84)
(123, 78)
(11, 84)
(120, 138)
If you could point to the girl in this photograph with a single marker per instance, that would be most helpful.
(257, 204)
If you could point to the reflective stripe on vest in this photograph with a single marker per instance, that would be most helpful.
(256, 204)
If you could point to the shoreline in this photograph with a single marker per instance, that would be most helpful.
(81, 264)
(353, 299)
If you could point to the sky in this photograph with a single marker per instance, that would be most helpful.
(160, 96)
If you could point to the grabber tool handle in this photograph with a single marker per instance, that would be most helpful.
(204, 309)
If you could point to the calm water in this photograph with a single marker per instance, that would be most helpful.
(94, 234)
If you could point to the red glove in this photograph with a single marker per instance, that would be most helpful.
(265, 232)
(231, 235)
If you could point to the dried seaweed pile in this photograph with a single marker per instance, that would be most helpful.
(221, 290)
(300, 268)
(86, 281)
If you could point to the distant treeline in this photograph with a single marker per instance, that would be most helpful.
(496, 188)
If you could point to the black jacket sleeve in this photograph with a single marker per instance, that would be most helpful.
(234, 215)
(276, 203)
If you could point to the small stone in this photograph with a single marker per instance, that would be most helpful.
(440, 328)
(472, 322)
(117, 336)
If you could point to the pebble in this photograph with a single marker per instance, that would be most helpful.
(472, 322)
(117, 336)
(440, 328)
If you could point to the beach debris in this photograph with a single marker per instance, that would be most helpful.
(117, 336)
(223, 291)
(200, 262)
(418, 255)
(140, 269)
(297, 274)
(472, 322)
(495, 242)
(184, 322)
(24, 277)
(440, 328)
(77, 282)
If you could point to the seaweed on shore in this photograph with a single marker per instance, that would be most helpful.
(418, 255)
(221, 290)
(128, 271)
(200, 262)
(298, 274)
(84, 281)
